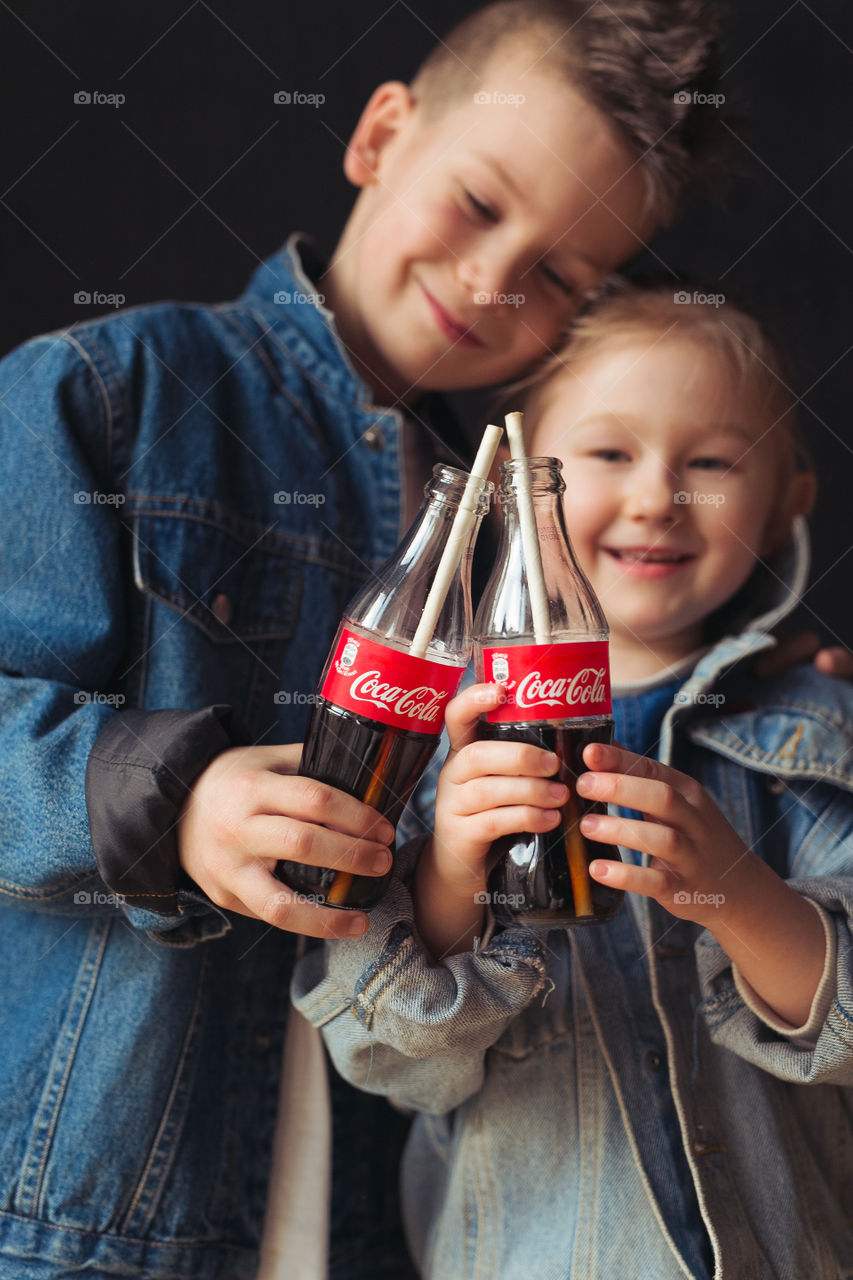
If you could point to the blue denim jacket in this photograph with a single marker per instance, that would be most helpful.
(563, 1085)
(150, 562)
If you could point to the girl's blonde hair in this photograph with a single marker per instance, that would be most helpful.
(625, 309)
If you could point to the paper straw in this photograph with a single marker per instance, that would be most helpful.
(454, 547)
(529, 535)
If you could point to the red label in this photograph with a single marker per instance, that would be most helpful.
(386, 685)
(550, 681)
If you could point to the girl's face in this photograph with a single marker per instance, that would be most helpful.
(671, 479)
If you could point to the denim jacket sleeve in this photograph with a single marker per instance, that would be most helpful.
(822, 867)
(62, 635)
(398, 1024)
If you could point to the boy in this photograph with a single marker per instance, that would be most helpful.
(197, 493)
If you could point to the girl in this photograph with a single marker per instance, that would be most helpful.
(628, 1100)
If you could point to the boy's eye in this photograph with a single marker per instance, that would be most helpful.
(551, 275)
(480, 209)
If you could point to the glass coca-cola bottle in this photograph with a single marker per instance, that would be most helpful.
(379, 713)
(557, 697)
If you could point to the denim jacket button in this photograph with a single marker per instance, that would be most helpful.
(654, 1060)
(223, 609)
(374, 438)
(775, 786)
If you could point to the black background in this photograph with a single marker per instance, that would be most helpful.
(198, 175)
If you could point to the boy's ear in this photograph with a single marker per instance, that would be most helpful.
(388, 110)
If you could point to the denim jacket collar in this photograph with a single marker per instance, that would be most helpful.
(778, 725)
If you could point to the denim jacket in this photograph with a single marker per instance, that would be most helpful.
(191, 496)
(563, 1084)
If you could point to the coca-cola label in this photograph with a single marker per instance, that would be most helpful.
(385, 685)
(550, 681)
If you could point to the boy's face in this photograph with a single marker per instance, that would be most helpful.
(468, 254)
(671, 479)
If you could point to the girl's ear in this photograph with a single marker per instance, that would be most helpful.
(798, 501)
(388, 110)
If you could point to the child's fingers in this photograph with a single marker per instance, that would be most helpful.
(256, 892)
(653, 838)
(479, 759)
(465, 709)
(651, 882)
(495, 792)
(506, 821)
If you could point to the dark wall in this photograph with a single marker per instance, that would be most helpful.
(181, 189)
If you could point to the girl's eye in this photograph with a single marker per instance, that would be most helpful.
(480, 209)
(564, 285)
(611, 455)
(712, 464)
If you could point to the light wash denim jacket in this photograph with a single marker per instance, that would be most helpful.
(563, 1086)
(150, 562)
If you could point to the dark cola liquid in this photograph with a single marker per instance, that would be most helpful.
(370, 761)
(537, 876)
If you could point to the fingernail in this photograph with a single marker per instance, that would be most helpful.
(381, 862)
(551, 760)
(557, 789)
(554, 816)
(599, 869)
(589, 822)
(357, 927)
(386, 832)
(584, 784)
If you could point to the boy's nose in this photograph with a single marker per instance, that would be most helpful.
(490, 274)
(653, 497)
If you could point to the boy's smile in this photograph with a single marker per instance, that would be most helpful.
(671, 482)
(477, 233)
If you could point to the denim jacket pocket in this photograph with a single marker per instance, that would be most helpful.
(220, 604)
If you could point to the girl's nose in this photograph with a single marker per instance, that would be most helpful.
(653, 495)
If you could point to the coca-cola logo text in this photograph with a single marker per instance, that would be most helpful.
(585, 686)
(423, 703)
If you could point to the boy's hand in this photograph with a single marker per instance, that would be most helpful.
(699, 863)
(487, 790)
(248, 809)
(805, 646)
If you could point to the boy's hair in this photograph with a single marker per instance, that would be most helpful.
(654, 308)
(650, 67)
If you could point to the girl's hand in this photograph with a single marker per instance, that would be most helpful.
(487, 790)
(699, 864)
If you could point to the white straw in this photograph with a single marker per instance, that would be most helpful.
(454, 547)
(529, 536)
